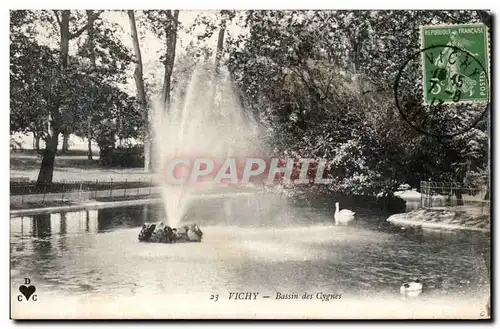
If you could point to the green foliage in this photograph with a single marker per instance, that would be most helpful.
(88, 93)
(321, 83)
(35, 81)
(128, 157)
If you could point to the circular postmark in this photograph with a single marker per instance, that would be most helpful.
(435, 91)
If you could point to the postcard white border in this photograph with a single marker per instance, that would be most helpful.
(198, 4)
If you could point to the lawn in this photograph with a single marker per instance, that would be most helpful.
(72, 168)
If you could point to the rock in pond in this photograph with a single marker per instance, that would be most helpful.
(451, 218)
(161, 233)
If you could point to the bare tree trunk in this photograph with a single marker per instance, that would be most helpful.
(65, 145)
(89, 140)
(220, 45)
(65, 36)
(92, 56)
(141, 93)
(49, 155)
(355, 66)
(36, 142)
(89, 145)
(218, 56)
(171, 32)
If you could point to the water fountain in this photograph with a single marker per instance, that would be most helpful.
(205, 120)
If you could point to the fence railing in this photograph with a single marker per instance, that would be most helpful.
(30, 187)
(62, 192)
(449, 194)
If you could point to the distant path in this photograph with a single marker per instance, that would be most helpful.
(73, 168)
(15, 155)
(78, 174)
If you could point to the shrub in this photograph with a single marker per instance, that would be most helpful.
(129, 157)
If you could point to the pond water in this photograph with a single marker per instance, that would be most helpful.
(253, 243)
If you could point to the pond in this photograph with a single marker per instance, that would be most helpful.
(253, 243)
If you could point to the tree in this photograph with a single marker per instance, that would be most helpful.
(104, 61)
(171, 36)
(139, 82)
(90, 44)
(30, 66)
(66, 36)
(226, 15)
(74, 91)
(56, 122)
(321, 84)
(165, 23)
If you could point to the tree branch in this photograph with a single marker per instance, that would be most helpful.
(86, 26)
(445, 17)
(485, 17)
(56, 14)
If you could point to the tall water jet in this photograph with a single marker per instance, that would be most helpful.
(205, 120)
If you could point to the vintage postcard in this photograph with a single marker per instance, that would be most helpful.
(250, 164)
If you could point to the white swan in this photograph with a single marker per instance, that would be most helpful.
(343, 216)
(412, 289)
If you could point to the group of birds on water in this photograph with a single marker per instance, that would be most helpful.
(408, 289)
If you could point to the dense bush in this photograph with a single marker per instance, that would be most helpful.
(129, 157)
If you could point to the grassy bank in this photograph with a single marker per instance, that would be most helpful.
(452, 218)
(25, 188)
(37, 205)
(26, 165)
(69, 203)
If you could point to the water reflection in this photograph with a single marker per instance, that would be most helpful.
(270, 246)
(63, 236)
(41, 226)
(87, 221)
(113, 218)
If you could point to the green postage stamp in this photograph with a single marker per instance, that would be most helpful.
(455, 63)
